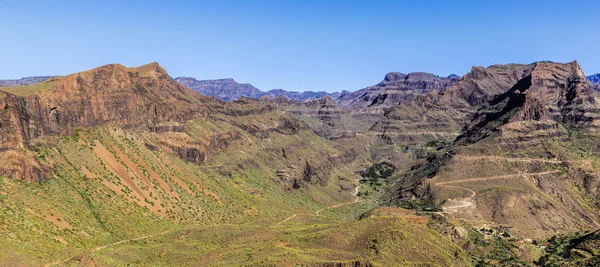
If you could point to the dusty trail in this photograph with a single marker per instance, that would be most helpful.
(109, 245)
(356, 200)
(494, 177)
(512, 159)
(584, 161)
(468, 202)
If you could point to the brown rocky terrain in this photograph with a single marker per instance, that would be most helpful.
(441, 112)
(524, 160)
(113, 94)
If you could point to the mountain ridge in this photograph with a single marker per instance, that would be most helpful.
(228, 89)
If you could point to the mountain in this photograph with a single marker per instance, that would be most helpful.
(441, 113)
(229, 90)
(25, 81)
(523, 162)
(224, 89)
(395, 88)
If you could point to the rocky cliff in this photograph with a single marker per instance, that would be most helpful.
(112, 94)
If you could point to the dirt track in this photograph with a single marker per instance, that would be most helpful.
(356, 200)
(109, 245)
(469, 201)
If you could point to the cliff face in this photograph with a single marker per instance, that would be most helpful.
(112, 94)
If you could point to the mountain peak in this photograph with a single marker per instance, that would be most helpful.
(152, 69)
(394, 76)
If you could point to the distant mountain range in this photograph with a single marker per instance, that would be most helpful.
(595, 81)
(24, 81)
(229, 90)
(594, 78)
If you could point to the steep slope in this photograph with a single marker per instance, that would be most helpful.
(525, 161)
(25, 81)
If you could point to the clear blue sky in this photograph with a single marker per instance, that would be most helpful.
(295, 45)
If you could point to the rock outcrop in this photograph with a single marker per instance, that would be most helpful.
(112, 94)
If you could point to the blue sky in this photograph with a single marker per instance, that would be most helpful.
(295, 45)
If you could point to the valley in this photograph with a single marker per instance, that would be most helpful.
(120, 166)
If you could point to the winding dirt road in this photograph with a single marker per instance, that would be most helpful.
(459, 203)
(356, 200)
(109, 245)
